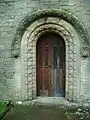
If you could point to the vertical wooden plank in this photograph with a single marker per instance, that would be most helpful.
(49, 66)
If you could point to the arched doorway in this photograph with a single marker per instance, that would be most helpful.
(50, 65)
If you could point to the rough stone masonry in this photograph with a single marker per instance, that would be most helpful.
(22, 21)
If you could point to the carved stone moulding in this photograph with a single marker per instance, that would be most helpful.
(38, 29)
(61, 14)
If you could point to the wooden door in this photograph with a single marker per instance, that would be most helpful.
(50, 65)
(44, 64)
(58, 67)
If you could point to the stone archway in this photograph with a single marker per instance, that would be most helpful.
(61, 14)
(29, 41)
(25, 41)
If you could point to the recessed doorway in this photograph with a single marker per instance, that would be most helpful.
(50, 65)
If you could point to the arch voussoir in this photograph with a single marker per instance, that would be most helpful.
(61, 14)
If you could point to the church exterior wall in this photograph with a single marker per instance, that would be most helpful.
(11, 79)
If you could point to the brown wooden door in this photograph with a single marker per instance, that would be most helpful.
(50, 66)
(58, 66)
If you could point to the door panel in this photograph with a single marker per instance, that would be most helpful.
(58, 68)
(50, 66)
(44, 69)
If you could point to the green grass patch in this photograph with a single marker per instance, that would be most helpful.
(3, 108)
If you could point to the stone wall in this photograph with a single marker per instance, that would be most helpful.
(11, 13)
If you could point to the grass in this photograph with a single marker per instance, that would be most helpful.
(3, 108)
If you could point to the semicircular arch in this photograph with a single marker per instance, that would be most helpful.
(61, 14)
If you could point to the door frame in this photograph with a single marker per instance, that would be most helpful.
(29, 42)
